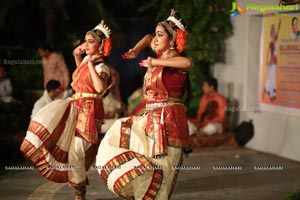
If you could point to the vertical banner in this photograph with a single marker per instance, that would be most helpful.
(280, 62)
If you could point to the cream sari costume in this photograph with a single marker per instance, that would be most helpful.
(62, 138)
(139, 154)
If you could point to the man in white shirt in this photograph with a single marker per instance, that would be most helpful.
(51, 93)
(54, 67)
(5, 86)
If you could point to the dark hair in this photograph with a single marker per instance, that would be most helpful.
(211, 81)
(294, 18)
(46, 46)
(97, 34)
(52, 85)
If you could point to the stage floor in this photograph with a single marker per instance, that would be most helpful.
(207, 174)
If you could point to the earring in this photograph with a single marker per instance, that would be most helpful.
(172, 46)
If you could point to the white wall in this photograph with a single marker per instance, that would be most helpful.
(276, 132)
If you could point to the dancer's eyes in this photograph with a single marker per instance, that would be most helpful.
(160, 35)
(90, 41)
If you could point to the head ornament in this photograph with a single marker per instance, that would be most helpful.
(103, 28)
(177, 22)
(176, 28)
(98, 33)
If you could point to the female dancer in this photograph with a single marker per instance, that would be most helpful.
(62, 139)
(139, 155)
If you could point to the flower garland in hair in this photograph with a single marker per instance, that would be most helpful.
(181, 39)
(181, 33)
(107, 46)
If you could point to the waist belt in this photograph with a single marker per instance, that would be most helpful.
(78, 95)
(151, 106)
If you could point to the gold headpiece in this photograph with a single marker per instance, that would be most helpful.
(103, 28)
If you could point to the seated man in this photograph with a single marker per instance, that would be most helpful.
(6, 88)
(52, 92)
(211, 116)
(55, 68)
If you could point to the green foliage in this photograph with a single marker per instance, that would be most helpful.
(28, 77)
(208, 23)
(293, 195)
(27, 73)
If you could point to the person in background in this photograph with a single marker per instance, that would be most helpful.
(115, 86)
(136, 103)
(113, 105)
(62, 140)
(54, 68)
(6, 88)
(138, 154)
(51, 92)
(211, 115)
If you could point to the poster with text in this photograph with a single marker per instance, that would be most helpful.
(280, 62)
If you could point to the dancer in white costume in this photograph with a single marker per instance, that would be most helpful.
(138, 156)
(62, 138)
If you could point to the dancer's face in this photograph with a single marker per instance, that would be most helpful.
(91, 45)
(161, 39)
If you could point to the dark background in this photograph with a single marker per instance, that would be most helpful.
(24, 24)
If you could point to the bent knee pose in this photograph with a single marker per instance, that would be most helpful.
(62, 138)
(138, 156)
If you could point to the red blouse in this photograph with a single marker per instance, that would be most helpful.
(161, 83)
(90, 110)
(174, 81)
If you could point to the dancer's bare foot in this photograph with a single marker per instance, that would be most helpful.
(80, 193)
(80, 198)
